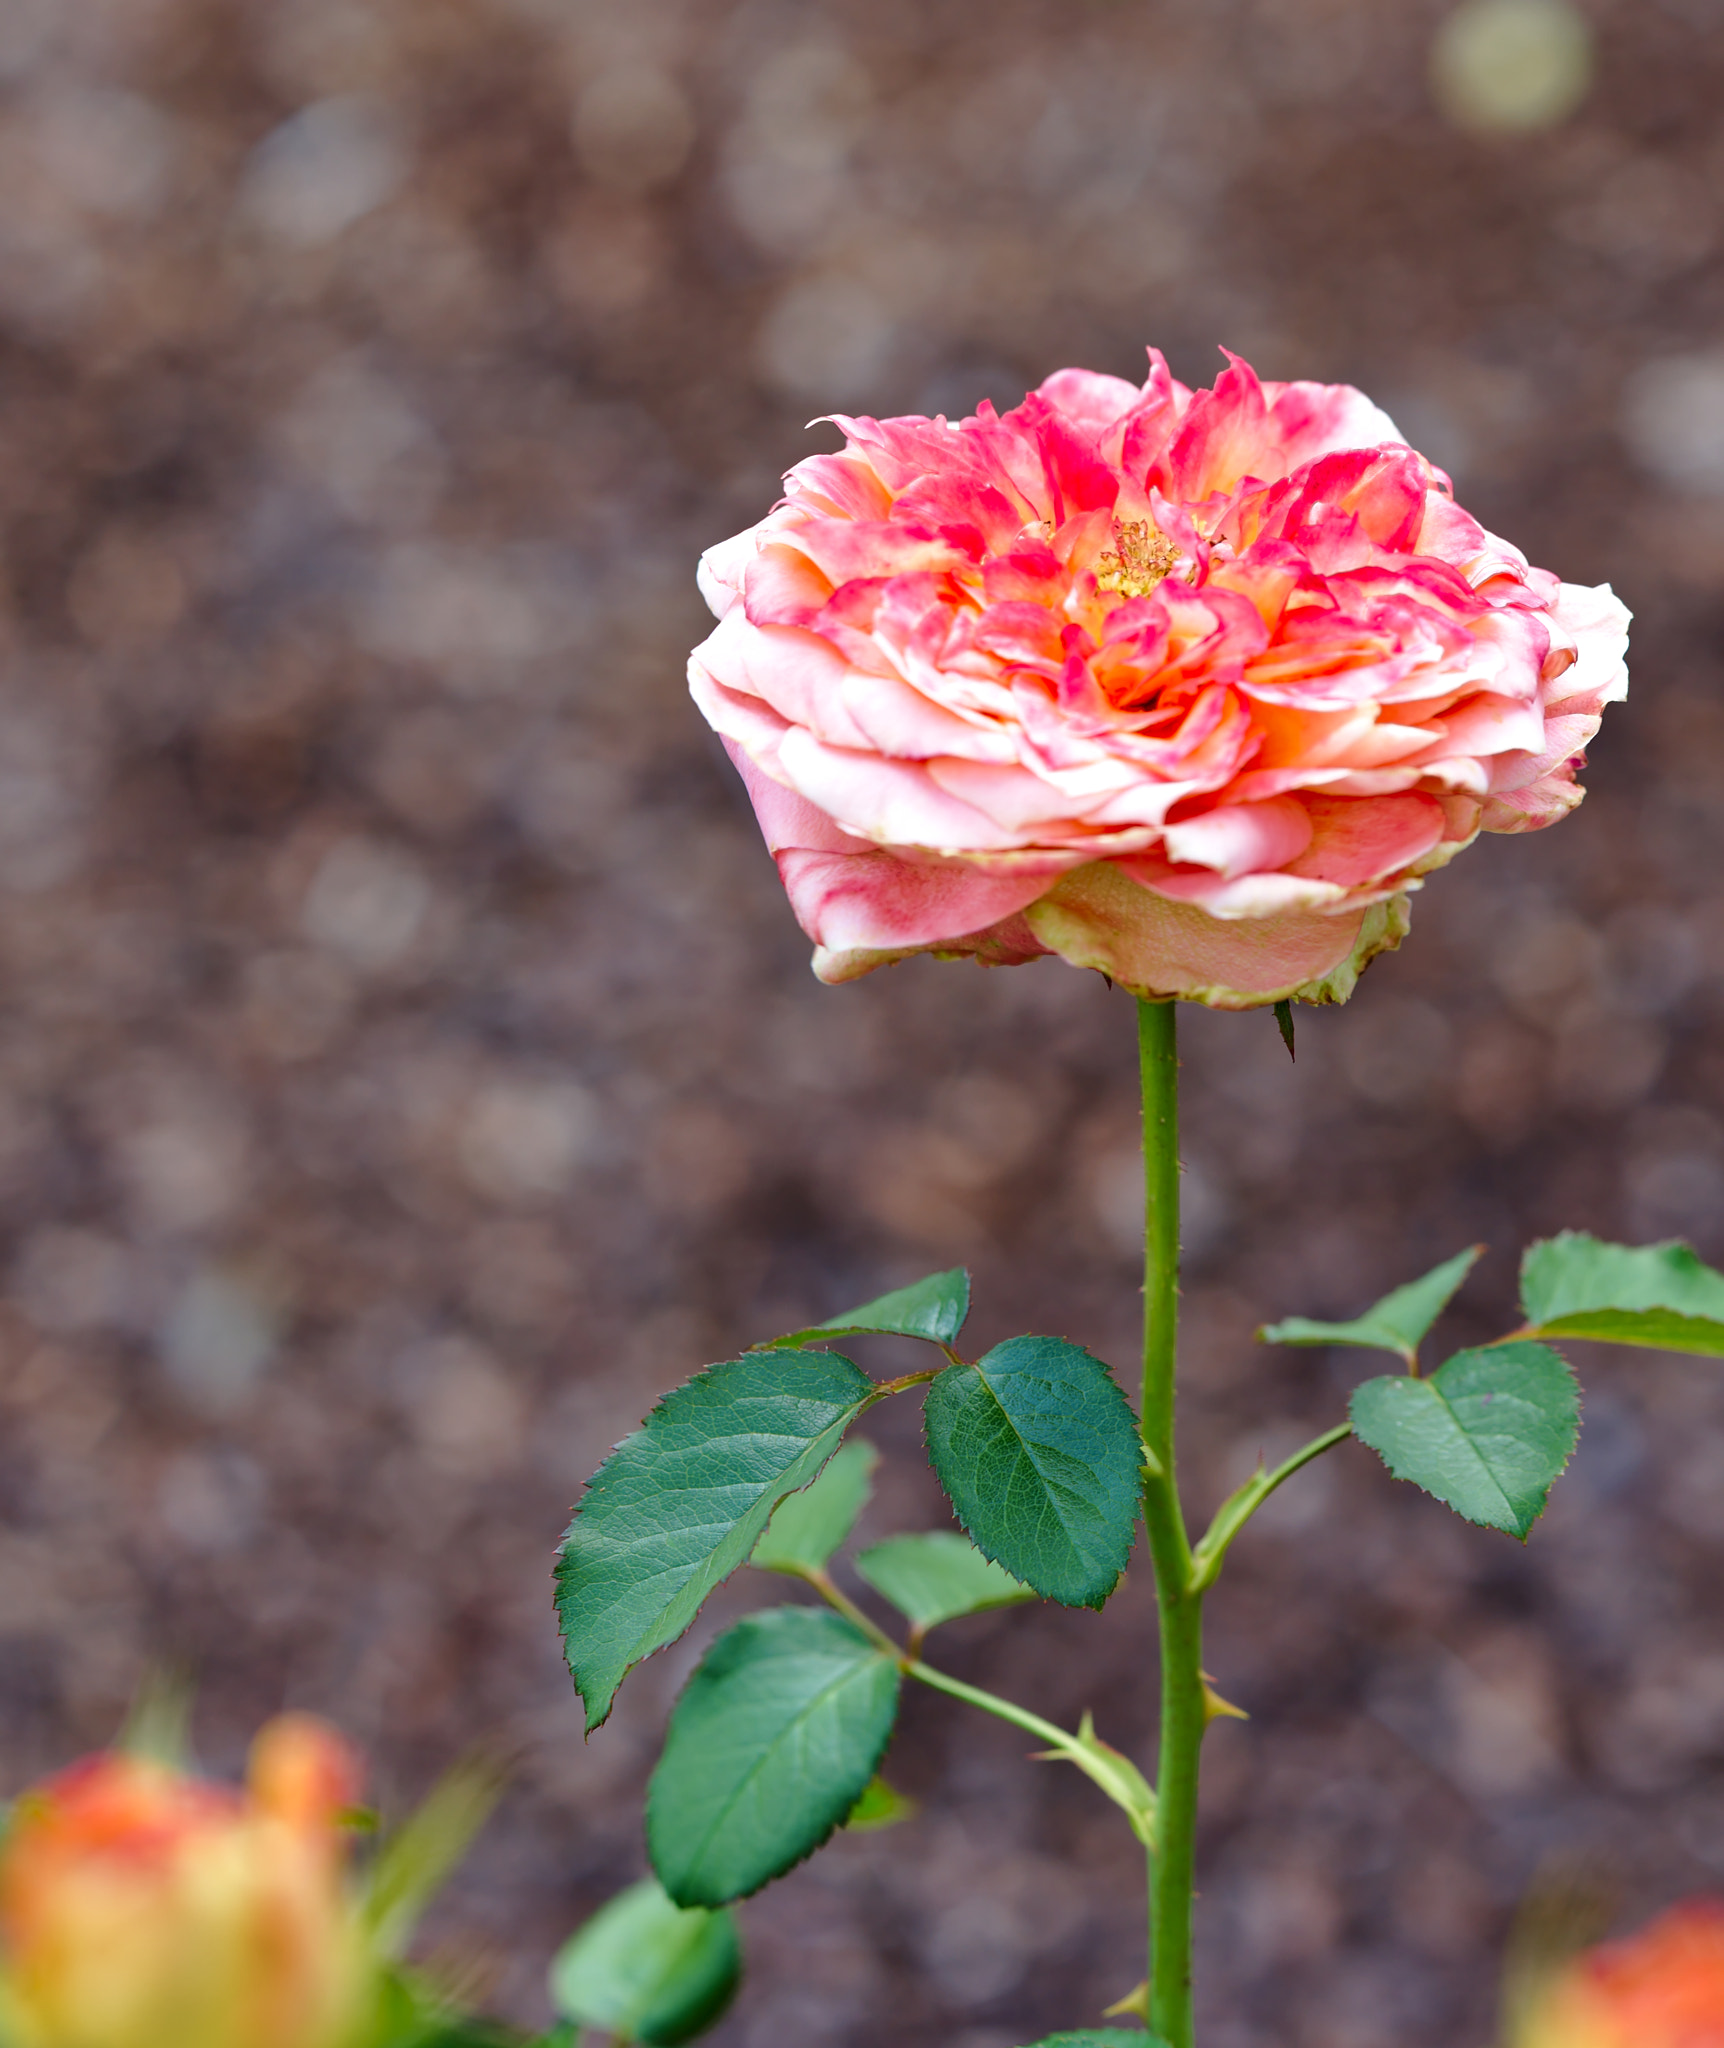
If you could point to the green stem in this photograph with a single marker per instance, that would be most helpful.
(991, 1703)
(1115, 1774)
(1238, 1508)
(1172, 1872)
(821, 1581)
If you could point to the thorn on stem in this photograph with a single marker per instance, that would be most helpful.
(1215, 1708)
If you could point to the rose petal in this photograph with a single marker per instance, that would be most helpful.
(1239, 839)
(1360, 840)
(875, 902)
(894, 803)
(786, 819)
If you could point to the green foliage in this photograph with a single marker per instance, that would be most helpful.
(1657, 1295)
(648, 1970)
(1397, 1323)
(158, 1722)
(934, 1308)
(937, 1576)
(412, 2011)
(770, 1746)
(680, 1504)
(881, 1806)
(806, 1528)
(1039, 1455)
(416, 1860)
(457, 2032)
(1103, 2037)
(1488, 1433)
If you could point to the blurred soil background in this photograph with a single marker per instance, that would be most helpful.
(408, 1065)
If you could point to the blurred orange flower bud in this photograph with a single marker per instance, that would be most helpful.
(1662, 1988)
(144, 1908)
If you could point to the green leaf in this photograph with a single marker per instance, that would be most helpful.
(418, 1858)
(881, 1806)
(1397, 1323)
(648, 1970)
(456, 2033)
(934, 1308)
(1657, 1295)
(807, 1527)
(936, 1577)
(1038, 1452)
(1488, 1433)
(770, 1746)
(680, 1504)
(1103, 2037)
(158, 1722)
(410, 2010)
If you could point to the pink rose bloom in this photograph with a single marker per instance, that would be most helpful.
(1190, 687)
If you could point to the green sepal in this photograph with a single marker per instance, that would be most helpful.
(647, 1970)
(769, 1748)
(680, 1504)
(1660, 1296)
(1284, 1024)
(937, 1576)
(1038, 1453)
(1487, 1434)
(808, 1526)
(1397, 1323)
(417, 1858)
(934, 1309)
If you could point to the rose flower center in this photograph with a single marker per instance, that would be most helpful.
(1138, 560)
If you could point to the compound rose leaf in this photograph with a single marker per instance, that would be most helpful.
(680, 1504)
(1103, 2037)
(808, 1526)
(1397, 1323)
(934, 1309)
(1487, 1434)
(774, 1740)
(1039, 1455)
(937, 1576)
(881, 1806)
(1657, 1295)
(645, 1969)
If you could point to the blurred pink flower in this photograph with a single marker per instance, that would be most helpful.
(1191, 687)
(1662, 1988)
(141, 1907)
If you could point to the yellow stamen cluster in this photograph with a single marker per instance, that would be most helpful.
(1141, 556)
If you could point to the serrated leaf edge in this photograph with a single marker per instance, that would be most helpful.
(1520, 1535)
(593, 1726)
(1100, 1600)
(832, 1827)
